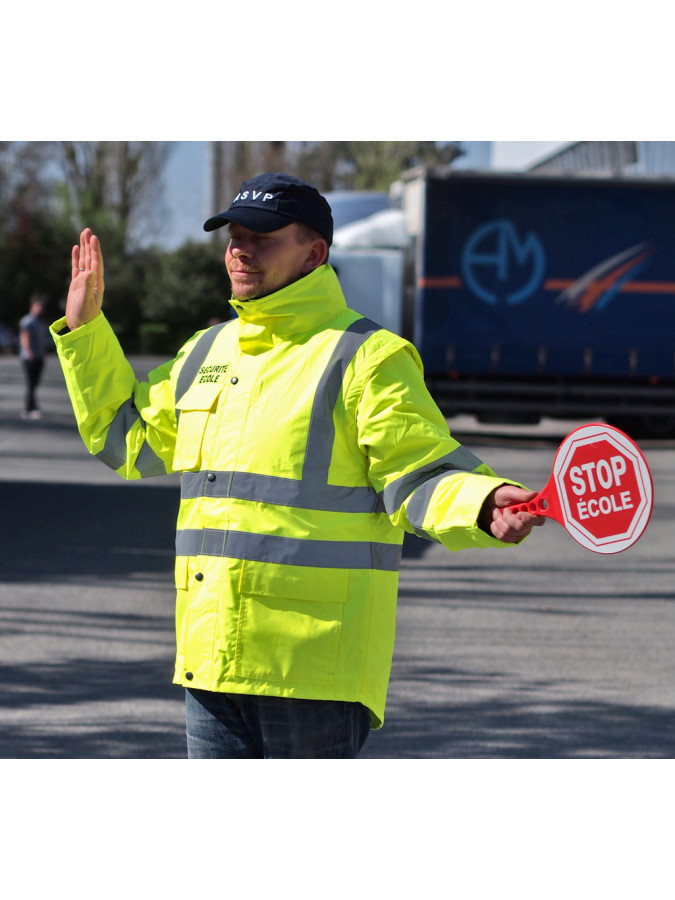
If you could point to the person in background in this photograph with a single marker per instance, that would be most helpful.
(34, 339)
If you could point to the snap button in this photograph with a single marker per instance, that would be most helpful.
(199, 576)
(234, 380)
(189, 676)
(211, 476)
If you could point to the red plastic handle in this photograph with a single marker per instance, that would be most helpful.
(546, 503)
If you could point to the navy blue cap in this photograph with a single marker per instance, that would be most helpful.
(271, 201)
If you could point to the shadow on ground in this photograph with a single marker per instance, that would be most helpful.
(53, 530)
(515, 729)
(86, 622)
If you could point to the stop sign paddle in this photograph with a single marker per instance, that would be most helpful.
(600, 489)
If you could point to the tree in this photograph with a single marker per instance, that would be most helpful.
(325, 164)
(189, 287)
(112, 186)
(372, 165)
(34, 239)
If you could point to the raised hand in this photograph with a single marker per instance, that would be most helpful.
(85, 295)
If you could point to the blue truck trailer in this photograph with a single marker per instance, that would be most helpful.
(541, 296)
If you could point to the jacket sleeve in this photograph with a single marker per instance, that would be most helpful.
(129, 425)
(430, 485)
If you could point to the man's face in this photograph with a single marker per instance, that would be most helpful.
(260, 264)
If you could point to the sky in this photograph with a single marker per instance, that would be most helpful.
(186, 194)
(505, 155)
(519, 154)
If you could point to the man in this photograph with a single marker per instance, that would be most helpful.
(34, 339)
(307, 444)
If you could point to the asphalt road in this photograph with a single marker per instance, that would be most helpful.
(541, 651)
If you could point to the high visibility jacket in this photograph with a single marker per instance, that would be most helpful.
(308, 443)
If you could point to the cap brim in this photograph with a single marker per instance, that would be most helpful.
(262, 220)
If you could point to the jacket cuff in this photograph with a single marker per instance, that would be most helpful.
(60, 330)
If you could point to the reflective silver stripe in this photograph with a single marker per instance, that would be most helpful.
(148, 463)
(279, 491)
(195, 358)
(419, 503)
(459, 460)
(114, 453)
(274, 548)
(321, 435)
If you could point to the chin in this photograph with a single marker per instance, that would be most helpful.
(244, 296)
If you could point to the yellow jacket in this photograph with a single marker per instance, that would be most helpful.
(308, 443)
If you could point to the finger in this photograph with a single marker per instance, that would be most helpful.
(85, 253)
(75, 261)
(518, 521)
(82, 259)
(96, 257)
(509, 494)
(511, 527)
(86, 235)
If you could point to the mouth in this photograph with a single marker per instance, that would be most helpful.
(241, 271)
(243, 276)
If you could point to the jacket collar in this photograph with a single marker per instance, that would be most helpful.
(298, 308)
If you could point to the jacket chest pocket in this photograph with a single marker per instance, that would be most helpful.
(193, 411)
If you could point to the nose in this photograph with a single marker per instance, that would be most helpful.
(238, 247)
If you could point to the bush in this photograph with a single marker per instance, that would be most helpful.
(189, 288)
(154, 340)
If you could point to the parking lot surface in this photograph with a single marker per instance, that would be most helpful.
(541, 651)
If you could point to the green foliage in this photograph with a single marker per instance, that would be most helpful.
(34, 258)
(377, 164)
(188, 288)
(126, 282)
(370, 165)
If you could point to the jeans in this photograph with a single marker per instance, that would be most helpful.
(242, 726)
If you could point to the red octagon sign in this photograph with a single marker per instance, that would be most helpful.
(604, 488)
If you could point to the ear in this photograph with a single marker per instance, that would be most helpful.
(318, 251)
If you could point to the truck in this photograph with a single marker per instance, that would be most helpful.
(529, 295)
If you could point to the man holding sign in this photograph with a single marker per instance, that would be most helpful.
(307, 444)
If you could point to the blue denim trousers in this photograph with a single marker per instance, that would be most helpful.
(242, 726)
